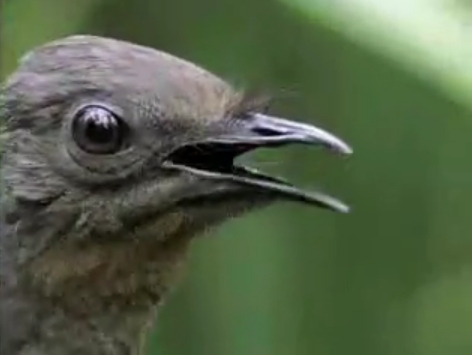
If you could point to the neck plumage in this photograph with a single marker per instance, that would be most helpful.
(94, 299)
(28, 327)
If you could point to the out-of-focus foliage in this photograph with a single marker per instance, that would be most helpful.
(393, 277)
(432, 38)
(28, 23)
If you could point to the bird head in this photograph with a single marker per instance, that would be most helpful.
(114, 152)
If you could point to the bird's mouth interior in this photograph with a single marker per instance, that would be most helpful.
(217, 160)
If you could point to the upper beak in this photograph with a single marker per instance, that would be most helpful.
(214, 157)
(264, 130)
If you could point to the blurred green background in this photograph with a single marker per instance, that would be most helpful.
(394, 78)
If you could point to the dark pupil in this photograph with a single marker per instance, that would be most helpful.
(99, 133)
(97, 130)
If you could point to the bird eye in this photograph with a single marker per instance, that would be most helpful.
(98, 130)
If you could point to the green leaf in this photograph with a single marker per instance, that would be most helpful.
(431, 38)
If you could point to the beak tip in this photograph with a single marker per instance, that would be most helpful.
(343, 208)
(340, 146)
(345, 149)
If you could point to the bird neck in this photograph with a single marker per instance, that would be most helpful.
(69, 299)
(35, 327)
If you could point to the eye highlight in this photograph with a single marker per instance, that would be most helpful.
(97, 130)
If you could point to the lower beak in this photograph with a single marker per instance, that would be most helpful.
(214, 157)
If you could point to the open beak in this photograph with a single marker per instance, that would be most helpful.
(214, 157)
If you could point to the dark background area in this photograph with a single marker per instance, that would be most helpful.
(392, 277)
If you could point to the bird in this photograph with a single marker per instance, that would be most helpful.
(115, 158)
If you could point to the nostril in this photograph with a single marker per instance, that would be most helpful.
(266, 132)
